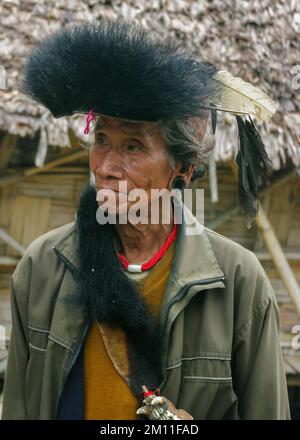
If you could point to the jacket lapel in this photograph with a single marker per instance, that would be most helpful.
(194, 264)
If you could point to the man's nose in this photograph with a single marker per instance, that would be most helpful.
(110, 164)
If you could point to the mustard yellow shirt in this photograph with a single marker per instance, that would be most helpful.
(107, 395)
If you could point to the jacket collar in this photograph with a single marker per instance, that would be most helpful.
(194, 257)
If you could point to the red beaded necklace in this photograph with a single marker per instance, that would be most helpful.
(156, 257)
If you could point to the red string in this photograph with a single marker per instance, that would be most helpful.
(123, 261)
(148, 393)
(146, 266)
(90, 117)
(156, 392)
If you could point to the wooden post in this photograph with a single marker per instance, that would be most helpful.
(259, 238)
(11, 242)
(213, 180)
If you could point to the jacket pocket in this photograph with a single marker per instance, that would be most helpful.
(206, 387)
(38, 339)
(207, 368)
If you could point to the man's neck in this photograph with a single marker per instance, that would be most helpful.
(140, 242)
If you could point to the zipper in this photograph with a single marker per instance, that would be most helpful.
(72, 362)
(82, 336)
(177, 298)
(184, 289)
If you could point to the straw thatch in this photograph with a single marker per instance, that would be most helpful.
(257, 40)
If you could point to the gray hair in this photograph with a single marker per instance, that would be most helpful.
(187, 144)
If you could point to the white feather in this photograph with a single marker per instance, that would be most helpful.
(242, 98)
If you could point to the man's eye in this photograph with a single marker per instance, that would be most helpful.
(132, 147)
(101, 139)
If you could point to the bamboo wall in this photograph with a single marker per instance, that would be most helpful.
(30, 208)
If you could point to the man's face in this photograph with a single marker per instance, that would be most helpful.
(135, 153)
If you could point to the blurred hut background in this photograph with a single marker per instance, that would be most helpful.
(43, 167)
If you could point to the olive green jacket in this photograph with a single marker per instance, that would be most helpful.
(220, 318)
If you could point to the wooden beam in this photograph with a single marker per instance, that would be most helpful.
(12, 171)
(69, 170)
(8, 261)
(223, 217)
(4, 236)
(69, 157)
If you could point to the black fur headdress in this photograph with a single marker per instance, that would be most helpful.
(114, 67)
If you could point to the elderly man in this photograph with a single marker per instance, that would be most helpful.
(141, 319)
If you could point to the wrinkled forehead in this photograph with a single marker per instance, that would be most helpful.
(133, 128)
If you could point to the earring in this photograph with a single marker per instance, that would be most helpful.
(178, 183)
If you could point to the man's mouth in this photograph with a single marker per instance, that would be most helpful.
(103, 188)
(110, 188)
(106, 188)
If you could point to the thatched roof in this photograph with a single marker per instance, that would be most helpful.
(258, 40)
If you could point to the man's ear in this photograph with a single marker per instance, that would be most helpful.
(189, 173)
(183, 178)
